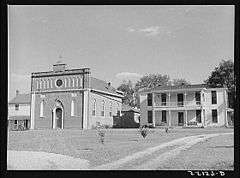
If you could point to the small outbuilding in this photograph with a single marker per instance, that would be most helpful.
(130, 118)
(19, 112)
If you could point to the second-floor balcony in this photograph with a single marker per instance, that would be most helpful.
(178, 104)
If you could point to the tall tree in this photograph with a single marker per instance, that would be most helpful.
(181, 81)
(127, 88)
(152, 80)
(223, 76)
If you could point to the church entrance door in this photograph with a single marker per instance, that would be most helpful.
(59, 118)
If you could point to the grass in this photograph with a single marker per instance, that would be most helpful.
(84, 144)
(215, 153)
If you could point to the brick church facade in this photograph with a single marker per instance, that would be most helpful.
(72, 99)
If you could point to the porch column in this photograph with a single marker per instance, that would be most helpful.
(185, 117)
(153, 118)
(153, 99)
(185, 98)
(169, 99)
(202, 117)
(170, 118)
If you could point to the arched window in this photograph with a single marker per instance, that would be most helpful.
(80, 82)
(94, 107)
(103, 108)
(51, 83)
(40, 84)
(110, 109)
(37, 84)
(73, 81)
(44, 85)
(77, 82)
(48, 82)
(65, 82)
(69, 82)
(72, 107)
(41, 108)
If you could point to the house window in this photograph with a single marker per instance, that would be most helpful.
(41, 108)
(198, 116)
(214, 116)
(164, 99)
(110, 109)
(150, 117)
(198, 97)
(103, 108)
(94, 108)
(16, 107)
(214, 97)
(15, 122)
(72, 107)
(149, 99)
(180, 99)
(164, 116)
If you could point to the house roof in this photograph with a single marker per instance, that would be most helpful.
(102, 85)
(129, 108)
(21, 99)
(18, 117)
(178, 87)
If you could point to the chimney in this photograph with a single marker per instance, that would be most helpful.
(17, 92)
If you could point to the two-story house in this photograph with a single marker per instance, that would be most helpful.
(19, 112)
(184, 105)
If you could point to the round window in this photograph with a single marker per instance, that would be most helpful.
(59, 82)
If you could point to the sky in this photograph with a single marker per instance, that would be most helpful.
(118, 42)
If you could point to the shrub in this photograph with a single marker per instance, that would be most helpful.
(166, 129)
(101, 133)
(143, 130)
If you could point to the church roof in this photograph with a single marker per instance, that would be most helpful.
(21, 99)
(102, 85)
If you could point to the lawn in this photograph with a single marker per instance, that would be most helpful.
(85, 143)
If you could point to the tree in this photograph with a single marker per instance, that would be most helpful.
(152, 80)
(177, 82)
(223, 76)
(128, 92)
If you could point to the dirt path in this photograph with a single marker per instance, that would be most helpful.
(177, 145)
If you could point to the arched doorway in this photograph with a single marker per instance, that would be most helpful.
(57, 116)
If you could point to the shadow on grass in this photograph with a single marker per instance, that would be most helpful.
(223, 146)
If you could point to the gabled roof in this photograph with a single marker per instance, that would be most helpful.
(21, 99)
(102, 85)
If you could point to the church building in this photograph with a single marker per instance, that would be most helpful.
(72, 99)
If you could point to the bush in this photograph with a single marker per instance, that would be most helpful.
(143, 130)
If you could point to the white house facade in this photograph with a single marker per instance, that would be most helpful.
(184, 105)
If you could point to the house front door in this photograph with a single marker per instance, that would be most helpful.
(180, 119)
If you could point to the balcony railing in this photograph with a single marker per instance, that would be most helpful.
(178, 104)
